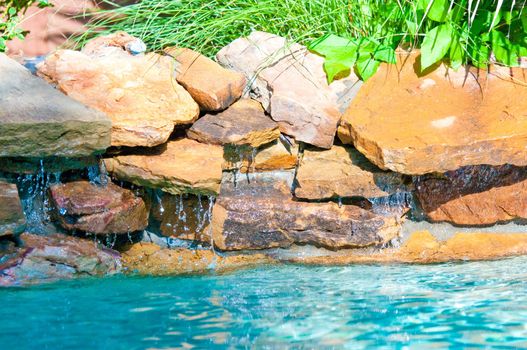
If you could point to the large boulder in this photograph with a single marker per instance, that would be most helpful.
(38, 121)
(475, 195)
(260, 213)
(110, 209)
(56, 257)
(12, 218)
(343, 172)
(138, 92)
(290, 83)
(213, 87)
(180, 166)
(438, 121)
(244, 123)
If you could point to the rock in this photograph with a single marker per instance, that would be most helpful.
(180, 166)
(51, 258)
(343, 172)
(12, 218)
(120, 40)
(38, 121)
(83, 206)
(151, 259)
(260, 214)
(290, 83)
(139, 93)
(213, 87)
(279, 155)
(475, 195)
(244, 123)
(24, 165)
(439, 121)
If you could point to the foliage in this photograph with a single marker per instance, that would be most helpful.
(10, 11)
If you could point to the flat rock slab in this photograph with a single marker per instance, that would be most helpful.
(12, 218)
(139, 93)
(45, 259)
(36, 120)
(343, 172)
(440, 121)
(213, 87)
(290, 83)
(83, 206)
(475, 195)
(180, 166)
(243, 123)
(260, 213)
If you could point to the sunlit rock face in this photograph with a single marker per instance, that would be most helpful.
(259, 212)
(12, 219)
(439, 121)
(180, 166)
(56, 257)
(213, 87)
(475, 195)
(38, 121)
(243, 123)
(290, 83)
(138, 92)
(97, 209)
(344, 172)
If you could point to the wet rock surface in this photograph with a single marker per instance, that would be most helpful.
(38, 121)
(12, 218)
(291, 85)
(260, 213)
(475, 195)
(86, 207)
(213, 87)
(138, 92)
(244, 123)
(440, 121)
(344, 172)
(181, 166)
(56, 257)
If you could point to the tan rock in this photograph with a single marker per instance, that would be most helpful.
(213, 87)
(12, 218)
(475, 195)
(259, 213)
(290, 83)
(243, 123)
(344, 172)
(150, 259)
(440, 121)
(83, 206)
(139, 93)
(180, 166)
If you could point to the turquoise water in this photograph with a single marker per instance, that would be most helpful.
(415, 307)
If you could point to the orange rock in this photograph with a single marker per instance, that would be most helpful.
(139, 93)
(439, 121)
(180, 166)
(12, 218)
(213, 87)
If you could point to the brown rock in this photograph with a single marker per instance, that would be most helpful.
(439, 121)
(278, 155)
(12, 218)
(38, 121)
(24, 165)
(343, 172)
(290, 83)
(475, 195)
(213, 87)
(260, 213)
(150, 259)
(55, 257)
(181, 166)
(139, 93)
(86, 207)
(244, 123)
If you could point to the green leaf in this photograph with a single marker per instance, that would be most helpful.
(366, 67)
(456, 54)
(334, 68)
(412, 27)
(435, 45)
(480, 55)
(508, 57)
(385, 54)
(11, 11)
(340, 53)
(437, 9)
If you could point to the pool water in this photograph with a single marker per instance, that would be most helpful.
(477, 304)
